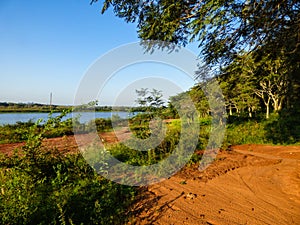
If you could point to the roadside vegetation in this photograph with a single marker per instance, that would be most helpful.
(44, 186)
(14, 133)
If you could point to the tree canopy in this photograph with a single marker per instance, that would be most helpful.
(223, 28)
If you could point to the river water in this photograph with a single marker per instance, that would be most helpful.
(12, 118)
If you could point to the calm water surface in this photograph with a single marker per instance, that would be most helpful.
(12, 118)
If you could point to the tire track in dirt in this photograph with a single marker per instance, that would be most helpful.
(236, 189)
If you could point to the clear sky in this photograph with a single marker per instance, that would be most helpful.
(47, 46)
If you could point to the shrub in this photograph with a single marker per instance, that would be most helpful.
(41, 186)
(250, 132)
(284, 128)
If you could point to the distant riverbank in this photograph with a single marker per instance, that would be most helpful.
(9, 107)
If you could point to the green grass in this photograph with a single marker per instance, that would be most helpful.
(278, 130)
(246, 133)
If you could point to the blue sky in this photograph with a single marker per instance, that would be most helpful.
(47, 46)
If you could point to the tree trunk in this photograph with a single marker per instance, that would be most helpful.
(268, 111)
(238, 111)
(230, 110)
(250, 112)
(276, 105)
(280, 104)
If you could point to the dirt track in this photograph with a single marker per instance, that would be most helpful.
(239, 188)
(251, 184)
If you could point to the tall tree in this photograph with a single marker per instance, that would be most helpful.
(274, 82)
(238, 86)
(200, 100)
(183, 104)
(252, 74)
(150, 100)
(142, 99)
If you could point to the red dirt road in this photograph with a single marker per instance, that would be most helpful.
(256, 187)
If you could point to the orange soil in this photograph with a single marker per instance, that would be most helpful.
(261, 186)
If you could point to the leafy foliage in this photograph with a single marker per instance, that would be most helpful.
(284, 128)
(43, 186)
(223, 28)
(12, 133)
(247, 132)
(151, 101)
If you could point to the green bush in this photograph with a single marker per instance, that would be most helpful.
(138, 158)
(103, 124)
(250, 132)
(18, 132)
(164, 149)
(39, 186)
(284, 128)
(12, 133)
(67, 191)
